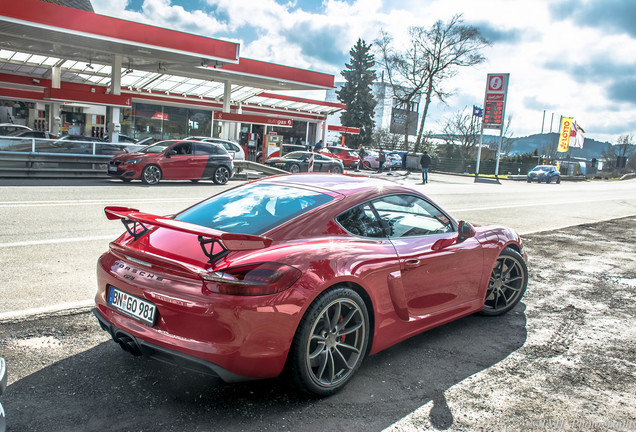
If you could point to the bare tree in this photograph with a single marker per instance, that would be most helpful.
(386, 139)
(507, 140)
(621, 155)
(462, 129)
(433, 55)
(404, 71)
(446, 47)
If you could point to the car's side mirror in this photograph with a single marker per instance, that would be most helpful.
(171, 153)
(465, 230)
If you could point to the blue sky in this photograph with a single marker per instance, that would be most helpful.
(567, 57)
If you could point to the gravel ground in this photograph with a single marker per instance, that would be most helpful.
(562, 360)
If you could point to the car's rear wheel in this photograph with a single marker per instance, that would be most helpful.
(221, 175)
(336, 170)
(508, 282)
(151, 175)
(294, 168)
(330, 343)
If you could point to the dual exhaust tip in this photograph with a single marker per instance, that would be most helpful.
(127, 343)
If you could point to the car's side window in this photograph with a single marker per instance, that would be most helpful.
(361, 221)
(183, 149)
(205, 148)
(411, 216)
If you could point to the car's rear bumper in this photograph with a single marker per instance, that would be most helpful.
(137, 346)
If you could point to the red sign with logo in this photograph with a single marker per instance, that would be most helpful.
(495, 100)
(345, 129)
(248, 118)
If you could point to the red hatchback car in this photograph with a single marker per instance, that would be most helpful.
(174, 160)
(302, 275)
(349, 158)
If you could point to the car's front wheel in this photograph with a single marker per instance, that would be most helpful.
(330, 343)
(151, 175)
(294, 168)
(336, 170)
(508, 282)
(221, 175)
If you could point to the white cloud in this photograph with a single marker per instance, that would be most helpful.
(555, 64)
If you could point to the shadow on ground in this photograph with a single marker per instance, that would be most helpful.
(103, 388)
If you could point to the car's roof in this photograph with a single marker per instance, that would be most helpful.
(345, 184)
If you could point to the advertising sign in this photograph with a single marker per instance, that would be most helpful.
(345, 129)
(495, 100)
(247, 118)
(564, 134)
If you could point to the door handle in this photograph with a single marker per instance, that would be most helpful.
(412, 262)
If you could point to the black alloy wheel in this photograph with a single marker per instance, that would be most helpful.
(330, 343)
(294, 168)
(221, 175)
(151, 175)
(508, 283)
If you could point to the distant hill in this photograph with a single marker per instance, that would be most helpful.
(541, 142)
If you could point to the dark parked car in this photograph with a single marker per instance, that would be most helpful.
(79, 144)
(544, 173)
(22, 140)
(287, 148)
(298, 161)
(302, 275)
(174, 160)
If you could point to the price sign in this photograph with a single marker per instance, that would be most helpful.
(493, 113)
(495, 100)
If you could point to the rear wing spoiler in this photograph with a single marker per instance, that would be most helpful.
(133, 220)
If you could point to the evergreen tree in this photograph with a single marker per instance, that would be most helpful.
(356, 94)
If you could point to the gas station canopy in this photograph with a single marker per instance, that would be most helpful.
(36, 37)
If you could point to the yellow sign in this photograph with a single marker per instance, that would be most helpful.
(564, 136)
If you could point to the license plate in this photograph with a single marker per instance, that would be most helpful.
(135, 307)
(112, 169)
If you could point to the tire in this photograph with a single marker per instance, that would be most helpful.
(337, 170)
(330, 343)
(548, 180)
(558, 180)
(294, 168)
(151, 175)
(529, 181)
(508, 283)
(221, 175)
(366, 165)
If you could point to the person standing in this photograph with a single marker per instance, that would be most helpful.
(318, 146)
(425, 161)
(361, 154)
(381, 159)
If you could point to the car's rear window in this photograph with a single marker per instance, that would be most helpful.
(253, 209)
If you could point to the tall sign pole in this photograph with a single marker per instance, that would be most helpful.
(494, 111)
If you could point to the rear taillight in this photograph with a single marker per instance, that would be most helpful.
(253, 279)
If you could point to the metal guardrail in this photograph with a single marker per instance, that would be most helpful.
(255, 166)
(41, 165)
(20, 164)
